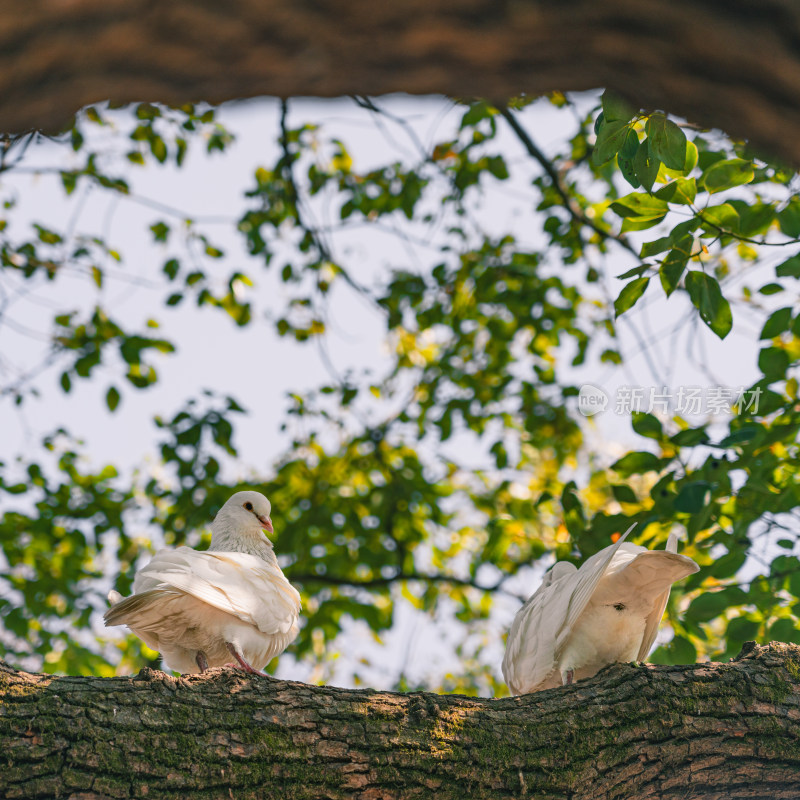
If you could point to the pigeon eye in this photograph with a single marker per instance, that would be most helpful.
(248, 506)
(619, 606)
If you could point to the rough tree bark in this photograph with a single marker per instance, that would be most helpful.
(708, 731)
(734, 64)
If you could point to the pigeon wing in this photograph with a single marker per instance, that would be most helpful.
(654, 618)
(237, 583)
(543, 625)
(530, 656)
(589, 575)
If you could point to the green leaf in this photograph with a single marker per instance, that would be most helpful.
(631, 146)
(654, 248)
(741, 436)
(688, 165)
(496, 166)
(182, 146)
(691, 158)
(599, 122)
(445, 425)
(711, 604)
(771, 288)
(728, 565)
(789, 218)
(684, 229)
(616, 108)
(778, 322)
(682, 190)
(647, 425)
(722, 217)
(691, 437)
(47, 236)
(784, 630)
(628, 170)
(69, 181)
(773, 362)
(789, 269)
(755, 219)
(609, 141)
(477, 111)
(610, 357)
(680, 651)
(158, 148)
(646, 165)
(709, 157)
(629, 295)
(693, 497)
(112, 398)
(171, 268)
(147, 111)
(635, 271)
(624, 494)
(667, 141)
(160, 231)
(640, 205)
(500, 455)
(728, 173)
(639, 223)
(707, 298)
(637, 462)
(673, 266)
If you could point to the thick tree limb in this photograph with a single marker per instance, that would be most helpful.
(732, 64)
(701, 731)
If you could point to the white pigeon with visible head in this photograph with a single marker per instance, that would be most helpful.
(580, 620)
(199, 608)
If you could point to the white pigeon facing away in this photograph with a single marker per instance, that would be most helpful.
(580, 620)
(200, 608)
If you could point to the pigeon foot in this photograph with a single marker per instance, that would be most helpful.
(233, 650)
(568, 676)
(201, 660)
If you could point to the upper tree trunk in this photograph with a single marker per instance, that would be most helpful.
(734, 64)
(701, 731)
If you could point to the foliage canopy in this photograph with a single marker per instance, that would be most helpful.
(378, 496)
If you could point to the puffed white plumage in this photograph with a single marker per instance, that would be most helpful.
(200, 608)
(580, 620)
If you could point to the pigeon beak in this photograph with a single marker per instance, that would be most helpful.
(266, 523)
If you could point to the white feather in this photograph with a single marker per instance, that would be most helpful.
(187, 602)
(572, 622)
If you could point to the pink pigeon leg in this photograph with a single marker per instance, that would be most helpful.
(234, 651)
(569, 677)
(201, 660)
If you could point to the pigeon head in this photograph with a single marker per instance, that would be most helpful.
(245, 510)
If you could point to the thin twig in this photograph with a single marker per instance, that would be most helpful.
(285, 165)
(575, 211)
(334, 580)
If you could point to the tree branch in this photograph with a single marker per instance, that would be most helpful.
(287, 170)
(575, 211)
(334, 580)
(731, 68)
(651, 732)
